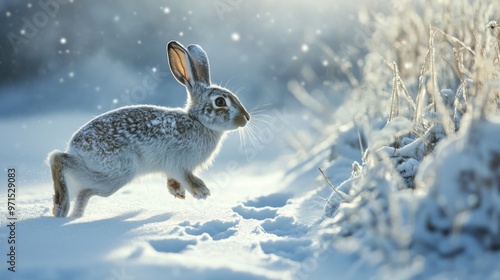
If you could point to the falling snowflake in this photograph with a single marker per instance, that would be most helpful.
(304, 48)
(235, 37)
(166, 10)
(63, 41)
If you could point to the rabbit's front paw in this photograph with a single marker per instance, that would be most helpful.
(200, 192)
(176, 189)
(197, 187)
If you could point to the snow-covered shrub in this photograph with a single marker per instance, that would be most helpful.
(444, 68)
(447, 59)
(375, 218)
(459, 183)
(454, 210)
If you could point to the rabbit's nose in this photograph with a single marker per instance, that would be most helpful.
(247, 115)
(242, 118)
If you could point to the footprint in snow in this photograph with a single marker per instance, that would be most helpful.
(284, 226)
(255, 213)
(263, 207)
(290, 248)
(216, 229)
(272, 200)
(172, 245)
(291, 243)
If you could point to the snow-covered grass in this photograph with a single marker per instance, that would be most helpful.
(423, 202)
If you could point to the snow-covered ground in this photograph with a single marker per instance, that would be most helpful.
(259, 223)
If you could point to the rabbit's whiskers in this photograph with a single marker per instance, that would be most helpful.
(257, 132)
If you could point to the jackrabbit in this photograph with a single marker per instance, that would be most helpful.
(113, 148)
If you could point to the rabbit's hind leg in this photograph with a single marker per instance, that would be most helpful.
(58, 163)
(82, 200)
(103, 185)
(176, 189)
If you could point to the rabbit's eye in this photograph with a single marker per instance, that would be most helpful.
(220, 102)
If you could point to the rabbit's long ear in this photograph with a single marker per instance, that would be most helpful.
(180, 65)
(199, 63)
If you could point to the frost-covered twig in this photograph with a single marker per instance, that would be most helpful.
(397, 82)
(455, 40)
(333, 188)
(360, 140)
(395, 92)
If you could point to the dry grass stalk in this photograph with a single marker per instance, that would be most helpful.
(332, 187)
(438, 103)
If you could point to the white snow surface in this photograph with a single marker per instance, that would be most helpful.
(260, 222)
(265, 218)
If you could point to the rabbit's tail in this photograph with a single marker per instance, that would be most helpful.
(58, 162)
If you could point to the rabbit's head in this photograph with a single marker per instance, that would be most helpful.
(215, 107)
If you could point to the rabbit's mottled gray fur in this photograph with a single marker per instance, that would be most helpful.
(115, 147)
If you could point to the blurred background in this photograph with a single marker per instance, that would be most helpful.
(96, 55)
(64, 61)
